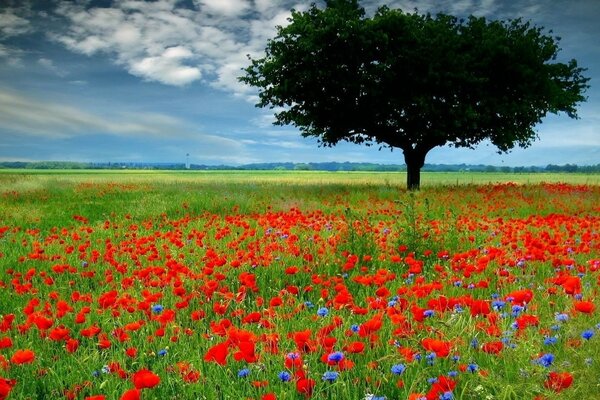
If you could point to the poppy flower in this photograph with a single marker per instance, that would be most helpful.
(586, 307)
(144, 378)
(131, 394)
(558, 381)
(305, 386)
(492, 347)
(23, 357)
(218, 353)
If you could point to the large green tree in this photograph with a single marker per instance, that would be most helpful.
(412, 81)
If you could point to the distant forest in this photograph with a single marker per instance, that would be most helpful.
(322, 166)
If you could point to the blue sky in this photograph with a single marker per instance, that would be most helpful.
(151, 81)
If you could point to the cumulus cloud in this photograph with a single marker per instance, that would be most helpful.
(164, 41)
(229, 8)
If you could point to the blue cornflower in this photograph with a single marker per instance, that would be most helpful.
(587, 335)
(308, 304)
(430, 358)
(446, 396)
(457, 283)
(284, 376)
(516, 310)
(455, 358)
(162, 353)
(546, 360)
(497, 305)
(335, 356)
(472, 367)
(431, 381)
(550, 340)
(452, 374)
(293, 356)
(242, 373)
(157, 308)
(330, 376)
(561, 317)
(475, 343)
(392, 303)
(322, 312)
(355, 328)
(398, 369)
(417, 357)
(428, 313)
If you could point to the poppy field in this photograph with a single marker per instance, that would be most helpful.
(118, 286)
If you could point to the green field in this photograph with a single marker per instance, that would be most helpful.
(290, 285)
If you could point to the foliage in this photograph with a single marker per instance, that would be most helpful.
(412, 81)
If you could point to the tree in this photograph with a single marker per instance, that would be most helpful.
(412, 81)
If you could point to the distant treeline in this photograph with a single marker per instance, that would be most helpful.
(322, 166)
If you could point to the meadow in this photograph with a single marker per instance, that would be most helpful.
(296, 285)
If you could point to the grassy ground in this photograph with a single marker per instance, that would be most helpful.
(220, 282)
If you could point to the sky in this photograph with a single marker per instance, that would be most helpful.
(155, 81)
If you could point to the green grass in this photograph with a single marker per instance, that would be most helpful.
(151, 232)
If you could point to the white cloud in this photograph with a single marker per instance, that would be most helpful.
(164, 42)
(228, 8)
(167, 67)
(151, 40)
(13, 25)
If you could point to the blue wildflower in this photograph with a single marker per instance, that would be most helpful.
(284, 376)
(322, 312)
(162, 353)
(428, 313)
(472, 367)
(561, 317)
(546, 360)
(550, 340)
(398, 369)
(335, 356)
(497, 305)
(157, 308)
(446, 396)
(330, 376)
(587, 335)
(242, 373)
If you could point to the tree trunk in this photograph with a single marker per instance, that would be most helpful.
(414, 159)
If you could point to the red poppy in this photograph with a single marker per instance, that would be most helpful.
(586, 307)
(439, 347)
(131, 394)
(305, 386)
(144, 378)
(492, 347)
(23, 357)
(558, 381)
(218, 353)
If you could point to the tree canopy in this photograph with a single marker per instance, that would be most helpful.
(413, 81)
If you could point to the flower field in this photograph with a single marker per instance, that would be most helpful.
(114, 287)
